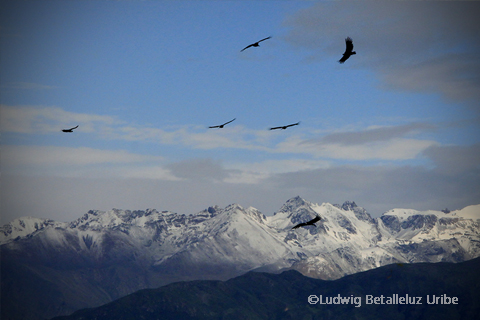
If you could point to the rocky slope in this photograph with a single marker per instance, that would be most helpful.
(103, 256)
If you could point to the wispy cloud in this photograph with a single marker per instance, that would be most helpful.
(455, 159)
(82, 162)
(392, 150)
(377, 188)
(379, 143)
(44, 120)
(384, 143)
(39, 120)
(199, 169)
(415, 46)
(259, 172)
(82, 156)
(373, 135)
(236, 137)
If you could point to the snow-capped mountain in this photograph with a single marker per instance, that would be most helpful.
(105, 255)
(24, 227)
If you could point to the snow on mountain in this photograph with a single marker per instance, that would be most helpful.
(109, 254)
(470, 212)
(23, 227)
(346, 240)
(417, 226)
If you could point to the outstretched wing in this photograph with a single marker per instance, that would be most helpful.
(317, 218)
(250, 45)
(348, 50)
(229, 121)
(70, 130)
(343, 59)
(309, 223)
(349, 45)
(293, 124)
(264, 39)
(221, 125)
(255, 44)
(285, 127)
(299, 225)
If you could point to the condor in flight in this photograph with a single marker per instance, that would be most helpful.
(256, 44)
(70, 130)
(348, 50)
(308, 223)
(221, 125)
(285, 127)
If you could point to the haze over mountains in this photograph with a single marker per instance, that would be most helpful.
(290, 295)
(53, 268)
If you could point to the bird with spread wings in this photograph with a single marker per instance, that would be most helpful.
(308, 223)
(70, 130)
(256, 44)
(222, 125)
(348, 50)
(285, 127)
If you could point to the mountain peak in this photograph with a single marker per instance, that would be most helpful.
(298, 200)
(359, 212)
(23, 227)
(349, 205)
(133, 250)
(292, 204)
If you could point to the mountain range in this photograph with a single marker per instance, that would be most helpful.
(52, 268)
(398, 291)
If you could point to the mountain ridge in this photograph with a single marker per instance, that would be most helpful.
(290, 295)
(105, 255)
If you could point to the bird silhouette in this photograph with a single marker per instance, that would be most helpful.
(308, 223)
(70, 130)
(222, 125)
(285, 127)
(256, 44)
(348, 50)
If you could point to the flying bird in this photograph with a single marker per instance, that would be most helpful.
(348, 50)
(308, 223)
(70, 130)
(285, 127)
(221, 126)
(256, 44)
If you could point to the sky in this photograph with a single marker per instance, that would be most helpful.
(395, 126)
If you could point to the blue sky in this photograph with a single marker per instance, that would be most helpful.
(397, 125)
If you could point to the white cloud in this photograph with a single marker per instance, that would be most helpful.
(378, 143)
(81, 162)
(376, 188)
(149, 172)
(418, 46)
(374, 143)
(38, 120)
(257, 172)
(42, 120)
(55, 156)
(198, 169)
(236, 137)
(395, 149)
(392, 149)
(373, 134)
(455, 159)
